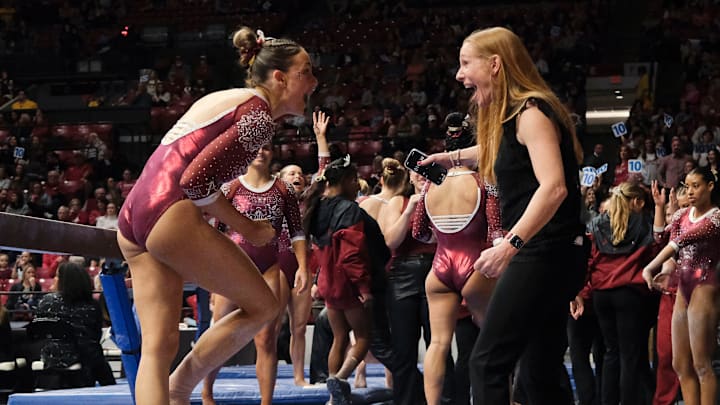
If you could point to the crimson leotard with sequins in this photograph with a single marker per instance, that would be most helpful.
(697, 243)
(193, 162)
(457, 251)
(275, 202)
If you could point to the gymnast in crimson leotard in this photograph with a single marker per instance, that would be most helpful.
(259, 195)
(694, 241)
(165, 239)
(192, 162)
(456, 235)
(463, 214)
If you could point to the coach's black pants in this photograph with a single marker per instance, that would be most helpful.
(526, 321)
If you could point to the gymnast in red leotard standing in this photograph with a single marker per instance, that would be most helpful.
(261, 196)
(460, 212)
(165, 239)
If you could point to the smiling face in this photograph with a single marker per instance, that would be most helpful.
(476, 72)
(298, 84)
(263, 158)
(293, 174)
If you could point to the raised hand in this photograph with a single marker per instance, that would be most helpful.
(658, 194)
(320, 123)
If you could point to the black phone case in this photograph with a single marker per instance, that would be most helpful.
(432, 172)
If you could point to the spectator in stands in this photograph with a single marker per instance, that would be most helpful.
(5, 180)
(126, 184)
(20, 180)
(162, 96)
(4, 199)
(712, 158)
(100, 194)
(701, 149)
(110, 219)
(6, 86)
(100, 210)
(63, 214)
(113, 193)
(22, 261)
(16, 203)
(79, 171)
(596, 159)
(650, 161)
(51, 198)
(621, 173)
(672, 167)
(73, 302)
(22, 102)
(5, 269)
(24, 302)
(77, 214)
(94, 148)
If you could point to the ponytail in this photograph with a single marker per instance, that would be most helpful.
(312, 197)
(619, 209)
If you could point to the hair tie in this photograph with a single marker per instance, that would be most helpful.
(618, 192)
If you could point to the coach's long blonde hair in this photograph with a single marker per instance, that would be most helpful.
(516, 81)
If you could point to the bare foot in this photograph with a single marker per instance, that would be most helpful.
(301, 383)
(360, 381)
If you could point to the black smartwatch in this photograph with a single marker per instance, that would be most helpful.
(515, 241)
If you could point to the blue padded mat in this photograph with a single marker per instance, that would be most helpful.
(228, 390)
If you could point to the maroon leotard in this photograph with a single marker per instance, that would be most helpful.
(275, 202)
(457, 251)
(193, 162)
(696, 241)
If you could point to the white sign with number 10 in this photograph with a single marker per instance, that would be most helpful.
(619, 129)
(635, 166)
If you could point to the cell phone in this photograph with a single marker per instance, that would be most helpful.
(433, 172)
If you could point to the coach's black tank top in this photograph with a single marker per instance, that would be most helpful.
(517, 183)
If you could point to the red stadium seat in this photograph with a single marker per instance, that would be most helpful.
(60, 130)
(44, 272)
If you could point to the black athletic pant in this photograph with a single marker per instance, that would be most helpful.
(466, 333)
(584, 337)
(526, 321)
(626, 315)
(320, 352)
(408, 313)
(406, 376)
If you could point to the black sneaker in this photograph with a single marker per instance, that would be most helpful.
(340, 391)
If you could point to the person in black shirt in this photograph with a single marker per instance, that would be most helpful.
(527, 146)
(73, 302)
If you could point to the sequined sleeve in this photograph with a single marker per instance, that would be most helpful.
(228, 155)
(292, 213)
(421, 229)
(492, 214)
(675, 226)
(706, 228)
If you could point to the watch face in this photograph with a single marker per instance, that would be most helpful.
(516, 242)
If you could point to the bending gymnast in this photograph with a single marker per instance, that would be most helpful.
(165, 239)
